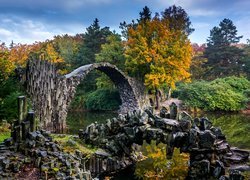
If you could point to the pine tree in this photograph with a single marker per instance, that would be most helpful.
(145, 15)
(92, 41)
(224, 58)
(178, 19)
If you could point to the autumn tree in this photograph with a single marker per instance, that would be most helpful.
(68, 47)
(224, 57)
(198, 68)
(6, 66)
(19, 54)
(157, 54)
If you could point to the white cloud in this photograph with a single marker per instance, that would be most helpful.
(199, 25)
(24, 31)
(5, 32)
(77, 4)
(202, 12)
(243, 27)
(192, 7)
(27, 31)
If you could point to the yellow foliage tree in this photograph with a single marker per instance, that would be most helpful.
(157, 54)
(6, 66)
(19, 54)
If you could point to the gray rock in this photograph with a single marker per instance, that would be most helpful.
(235, 175)
(206, 139)
(199, 169)
(219, 169)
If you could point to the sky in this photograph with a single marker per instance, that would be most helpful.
(27, 21)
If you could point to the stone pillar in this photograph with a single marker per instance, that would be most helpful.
(21, 108)
(31, 119)
(25, 129)
(173, 111)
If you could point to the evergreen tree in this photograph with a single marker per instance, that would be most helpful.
(246, 60)
(92, 41)
(224, 57)
(112, 52)
(145, 15)
(94, 37)
(178, 19)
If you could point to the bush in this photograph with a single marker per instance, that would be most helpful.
(9, 109)
(103, 99)
(78, 103)
(9, 91)
(227, 94)
(238, 84)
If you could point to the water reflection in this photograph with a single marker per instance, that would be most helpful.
(80, 120)
(236, 127)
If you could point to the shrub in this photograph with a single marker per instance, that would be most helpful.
(8, 107)
(103, 99)
(227, 94)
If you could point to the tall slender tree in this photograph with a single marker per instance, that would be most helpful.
(94, 37)
(178, 19)
(224, 57)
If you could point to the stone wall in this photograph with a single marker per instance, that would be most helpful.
(211, 157)
(51, 94)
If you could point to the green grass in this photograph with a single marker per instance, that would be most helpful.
(4, 136)
(4, 131)
(64, 141)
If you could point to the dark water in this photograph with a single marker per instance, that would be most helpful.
(80, 120)
(236, 127)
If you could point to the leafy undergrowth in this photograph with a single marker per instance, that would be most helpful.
(4, 131)
(156, 166)
(70, 144)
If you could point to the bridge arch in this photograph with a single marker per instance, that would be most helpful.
(122, 82)
(51, 94)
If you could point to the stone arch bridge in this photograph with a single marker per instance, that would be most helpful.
(51, 94)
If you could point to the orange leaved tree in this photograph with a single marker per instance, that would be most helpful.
(157, 53)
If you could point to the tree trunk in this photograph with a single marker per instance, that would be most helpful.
(156, 99)
(169, 93)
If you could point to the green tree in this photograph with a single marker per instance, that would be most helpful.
(92, 41)
(224, 58)
(67, 47)
(178, 19)
(112, 51)
(94, 37)
(246, 59)
(145, 15)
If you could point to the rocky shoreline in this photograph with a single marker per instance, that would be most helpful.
(33, 154)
